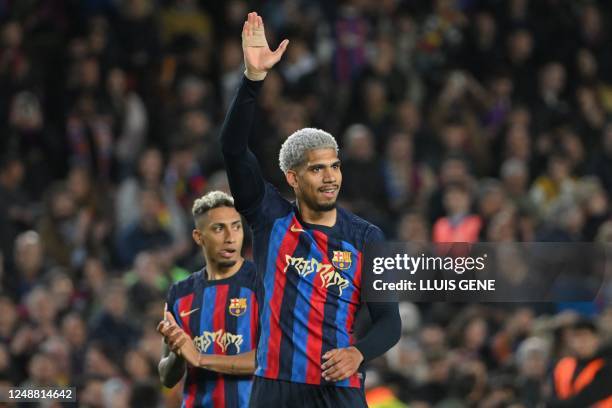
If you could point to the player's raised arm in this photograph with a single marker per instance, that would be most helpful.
(246, 181)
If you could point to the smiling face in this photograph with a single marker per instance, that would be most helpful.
(219, 232)
(317, 181)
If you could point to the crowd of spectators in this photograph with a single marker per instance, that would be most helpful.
(458, 120)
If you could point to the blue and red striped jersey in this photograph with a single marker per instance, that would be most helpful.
(221, 316)
(311, 276)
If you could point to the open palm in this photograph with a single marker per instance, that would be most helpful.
(258, 57)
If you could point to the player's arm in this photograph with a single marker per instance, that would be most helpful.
(239, 364)
(384, 333)
(179, 344)
(171, 367)
(245, 179)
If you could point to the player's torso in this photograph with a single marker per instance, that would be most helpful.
(311, 283)
(221, 317)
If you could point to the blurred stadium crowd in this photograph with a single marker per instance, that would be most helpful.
(459, 120)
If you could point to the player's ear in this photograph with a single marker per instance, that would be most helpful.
(197, 237)
(291, 177)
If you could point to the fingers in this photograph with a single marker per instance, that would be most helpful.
(165, 327)
(170, 318)
(176, 343)
(176, 340)
(338, 372)
(338, 366)
(281, 48)
(330, 363)
(252, 22)
(330, 353)
(335, 374)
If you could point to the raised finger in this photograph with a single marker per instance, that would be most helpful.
(170, 318)
(252, 21)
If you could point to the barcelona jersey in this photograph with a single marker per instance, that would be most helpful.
(221, 317)
(311, 277)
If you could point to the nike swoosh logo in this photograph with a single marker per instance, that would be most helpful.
(296, 229)
(183, 313)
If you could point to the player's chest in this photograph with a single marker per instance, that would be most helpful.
(311, 258)
(223, 319)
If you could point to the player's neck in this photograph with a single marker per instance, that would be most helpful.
(326, 218)
(215, 272)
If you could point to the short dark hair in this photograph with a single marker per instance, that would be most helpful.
(211, 200)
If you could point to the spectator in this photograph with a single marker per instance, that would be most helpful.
(365, 191)
(29, 264)
(149, 176)
(459, 225)
(588, 354)
(15, 215)
(130, 121)
(148, 233)
(111, 327)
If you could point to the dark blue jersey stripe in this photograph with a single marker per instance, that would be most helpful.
(276, 238)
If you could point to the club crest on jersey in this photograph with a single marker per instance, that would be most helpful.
(342, 260)
(237, 306)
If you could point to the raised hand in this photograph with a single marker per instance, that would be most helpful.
(258, 58)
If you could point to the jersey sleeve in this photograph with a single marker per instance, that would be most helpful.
(385, 330)
(271, 207)
(244, 175)
(258, 201)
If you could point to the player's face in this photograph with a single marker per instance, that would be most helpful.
(317, 182)
(220, 233)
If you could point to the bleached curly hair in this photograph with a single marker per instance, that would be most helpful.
(211, 200)
(293, 151)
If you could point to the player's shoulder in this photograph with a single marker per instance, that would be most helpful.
(185, 286)
(359, 230)
(271, 207)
